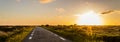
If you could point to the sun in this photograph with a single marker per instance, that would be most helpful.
(89, 18)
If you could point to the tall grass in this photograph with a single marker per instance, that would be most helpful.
(87, 33)
(14, 33)
(20, 36)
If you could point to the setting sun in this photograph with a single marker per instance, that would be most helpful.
(89, 18)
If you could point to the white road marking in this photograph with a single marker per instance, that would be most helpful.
(50, 32)
(30, 37)
(55, 35)
(61, 38)
(31, 34)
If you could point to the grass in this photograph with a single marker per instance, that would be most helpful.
(20, 36)
(15, 33)
(71, 32)
(84, 34)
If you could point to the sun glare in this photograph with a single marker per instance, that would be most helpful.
(89, 18)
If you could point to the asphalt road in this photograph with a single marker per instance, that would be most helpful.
(42, 35)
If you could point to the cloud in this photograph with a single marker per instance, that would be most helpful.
(110, 11)
(60, 10)
(46, 1)
(116, 12)
(18, 0)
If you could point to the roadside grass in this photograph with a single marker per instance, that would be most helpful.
(14, 33)
(20, 36)
(73, 34)
(82, 33)
(3, 36)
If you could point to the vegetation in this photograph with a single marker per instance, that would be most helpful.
(74, 33)
(87, 33)
(14, 33)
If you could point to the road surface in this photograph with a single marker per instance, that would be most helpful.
(42, 35)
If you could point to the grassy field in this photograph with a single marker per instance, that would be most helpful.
(72, 32)
(14, 33)
(87, 33)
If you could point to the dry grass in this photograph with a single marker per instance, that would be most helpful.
(14, 33)
(87, 33)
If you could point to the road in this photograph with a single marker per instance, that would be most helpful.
(42, 35)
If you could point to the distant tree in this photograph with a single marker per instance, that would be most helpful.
(42, 25)
(59, 25)
(75, 24)
(47, 25)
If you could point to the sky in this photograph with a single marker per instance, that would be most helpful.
(35, 12)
